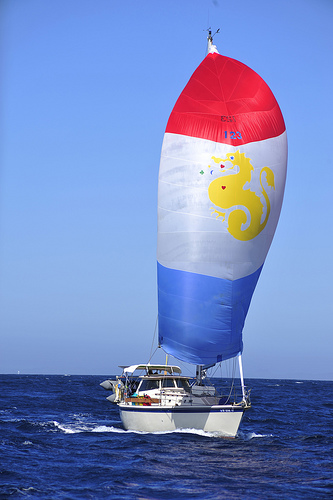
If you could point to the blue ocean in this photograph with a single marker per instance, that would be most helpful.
(61, 439)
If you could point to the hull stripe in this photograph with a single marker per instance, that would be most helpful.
(149, 409)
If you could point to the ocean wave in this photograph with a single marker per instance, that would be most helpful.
(105, 428)
(252, 435)
(197, 432)
(68, 429)
(77, 428)
(241, 435)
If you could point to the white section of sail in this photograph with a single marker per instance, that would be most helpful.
(190, 237)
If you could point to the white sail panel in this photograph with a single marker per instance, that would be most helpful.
(191, 233)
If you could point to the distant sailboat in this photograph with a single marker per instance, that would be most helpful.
(221, 184)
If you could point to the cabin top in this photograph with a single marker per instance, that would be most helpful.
(153, 369)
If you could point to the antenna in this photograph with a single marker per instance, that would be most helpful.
(210, 36)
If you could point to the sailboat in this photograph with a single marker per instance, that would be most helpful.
(221, 184)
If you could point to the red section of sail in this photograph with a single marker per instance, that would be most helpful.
(226, 101)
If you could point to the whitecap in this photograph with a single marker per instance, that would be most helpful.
(66, 430)
(27, 442)
(198, 432)
(104, 428)
(76, 428)
(253, 435)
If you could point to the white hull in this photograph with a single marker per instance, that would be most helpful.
(222, 419)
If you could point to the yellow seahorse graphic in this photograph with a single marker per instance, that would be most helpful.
(232, 191)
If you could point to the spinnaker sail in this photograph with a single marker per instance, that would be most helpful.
(221, 184)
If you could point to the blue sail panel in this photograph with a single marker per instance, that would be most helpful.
(201, 318)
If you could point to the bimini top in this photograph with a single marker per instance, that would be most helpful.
(151, 368)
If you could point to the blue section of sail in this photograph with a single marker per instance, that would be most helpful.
(201, 318)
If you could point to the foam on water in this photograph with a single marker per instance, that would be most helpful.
(66, 430)
(80, 426)
(197, 432)
(77, 428)
(252, 435)
(105, 428)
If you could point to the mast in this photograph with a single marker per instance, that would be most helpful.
(199, 374)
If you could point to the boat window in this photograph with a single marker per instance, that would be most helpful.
(168, 382)
(148, 385)
(183, 384)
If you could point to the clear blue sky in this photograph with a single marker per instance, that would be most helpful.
(87, 88)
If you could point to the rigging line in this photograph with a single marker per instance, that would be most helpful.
(231, 375)
(184, 367)
(232, 386)
(153, 341)
(218, 366)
